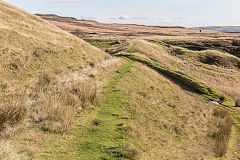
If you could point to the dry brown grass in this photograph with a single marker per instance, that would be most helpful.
(56, 104)
(168, 122)
(237, 103)
(11, 111)
(33, 54)
(45, 79)
(8, 152)
(53, 103)
(87, 92)
(52, 112)
(223, 132)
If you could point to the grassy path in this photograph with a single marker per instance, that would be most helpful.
(103, 133)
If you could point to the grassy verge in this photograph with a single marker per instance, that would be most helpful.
(186, 80)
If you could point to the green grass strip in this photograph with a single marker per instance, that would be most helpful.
(131, 49)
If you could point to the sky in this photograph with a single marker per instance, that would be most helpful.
(187, 13)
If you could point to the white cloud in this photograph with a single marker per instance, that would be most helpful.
(124, 17)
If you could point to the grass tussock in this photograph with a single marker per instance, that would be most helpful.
(11, 112)
(52, 113)
(222, 134)
(237, 103)
(45, 78)
(87, 92)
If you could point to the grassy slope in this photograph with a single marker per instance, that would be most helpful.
(29, 45)
(168, 122)
(224, 79)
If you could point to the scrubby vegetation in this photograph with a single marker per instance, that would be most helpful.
(237, 103)
(11, 111)
(222, 133)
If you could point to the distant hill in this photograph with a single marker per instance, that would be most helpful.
(221, 28)
(93, 29)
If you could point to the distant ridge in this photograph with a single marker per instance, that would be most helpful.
(228, 29)
(55, 17)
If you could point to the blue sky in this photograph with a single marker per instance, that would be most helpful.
(189, 13)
